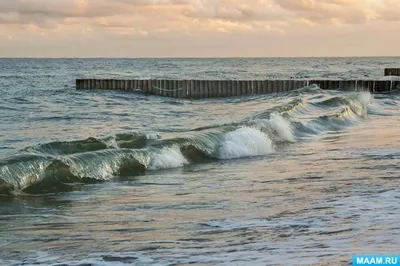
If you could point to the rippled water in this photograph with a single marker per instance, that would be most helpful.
(113, 178)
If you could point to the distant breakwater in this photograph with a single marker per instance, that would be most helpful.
(200, 89)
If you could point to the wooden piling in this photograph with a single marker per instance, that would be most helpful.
(293, 85)
(392, 72)
(280, 84)
(256, 86)
(223, 85)
(234, 85)
(200, 89)
(299, 84)
(380, 85)
(196, 89)
(247, 87)
(247, 90)
(190, 89)
(239, 90)
(206, 90)
(169, 88)
(174, 85)
(141, 85)
(285, 85)
(396, 85)
(229, 91)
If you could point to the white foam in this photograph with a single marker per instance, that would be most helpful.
(166, 158)
(282, 127)
(244, 142)
(152, 136)
(360, 105)
(111, 142)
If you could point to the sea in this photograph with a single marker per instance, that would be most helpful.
(305, 177)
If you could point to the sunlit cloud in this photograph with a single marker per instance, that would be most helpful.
(190, 22)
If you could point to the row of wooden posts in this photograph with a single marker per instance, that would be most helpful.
(392, 71)
(226, 88)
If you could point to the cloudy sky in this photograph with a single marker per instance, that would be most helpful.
(199, 28)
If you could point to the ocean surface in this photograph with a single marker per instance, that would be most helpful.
(307, 177)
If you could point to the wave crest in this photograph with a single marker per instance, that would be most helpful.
(245, 142)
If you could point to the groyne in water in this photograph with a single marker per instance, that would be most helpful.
(392, 71)
(200, 89)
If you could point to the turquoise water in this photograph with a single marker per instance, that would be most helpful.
(117, 178)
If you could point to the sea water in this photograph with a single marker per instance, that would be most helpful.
(120, 178)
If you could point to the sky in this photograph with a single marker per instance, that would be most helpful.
(199, 28)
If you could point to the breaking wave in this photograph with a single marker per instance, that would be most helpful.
(57, 166)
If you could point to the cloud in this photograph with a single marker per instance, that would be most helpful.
(172, 21)
(328, 11)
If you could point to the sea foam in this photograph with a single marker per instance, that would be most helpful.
(245, 142)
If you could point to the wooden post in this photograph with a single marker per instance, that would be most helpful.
(131, 85)
(241, 89)
(332, 84)
(341, 85)
(387, 85)
(380, 85)
(269, 86)
(396, 85)
(183, 84)
(392, 71)
(205, 87)
(169, 88)
(145, 86)
(291, 85)
(140, 86)
(279, 85)
(211, 89)
(301, 84)
(173, 84)
(96, 84)
(247, 87)
(189, 86)
(257, 86)
(234, 88)
(164, 87)
(156, 87)
(264, 86)
(285, 85)
(196, 89)
(228, 88)
(219, 88)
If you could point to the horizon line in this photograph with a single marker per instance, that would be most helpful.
(198, 57)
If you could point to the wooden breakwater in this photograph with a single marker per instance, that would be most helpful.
(199, 89)
(392, 71)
